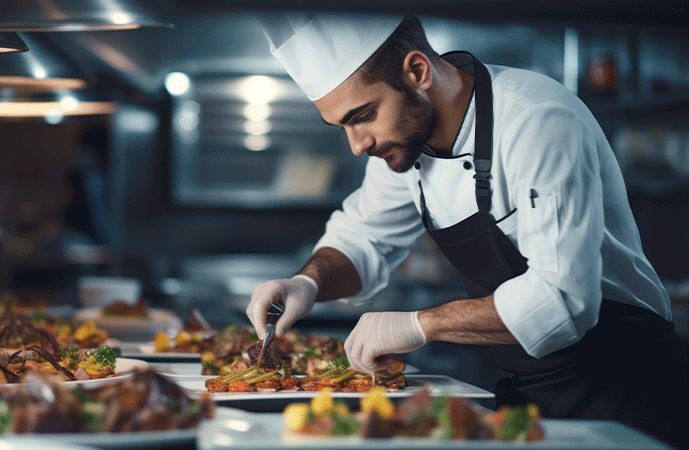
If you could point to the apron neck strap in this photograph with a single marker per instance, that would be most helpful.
(483, 156)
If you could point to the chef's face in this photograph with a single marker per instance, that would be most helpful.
(379, 120)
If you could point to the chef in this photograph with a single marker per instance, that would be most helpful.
(513, 178)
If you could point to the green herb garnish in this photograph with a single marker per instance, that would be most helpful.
(442, 415)
(91, 416)
(81, 395)
(312, 352)
(209, 365)
(516, 426)
(341, 362)
(345, 424)
(105, 356)
(38, 317)
(70, 355)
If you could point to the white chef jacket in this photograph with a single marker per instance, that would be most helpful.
(579, 236)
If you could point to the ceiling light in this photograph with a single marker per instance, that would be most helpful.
(75, 15)
(259, 89)
(177, 83)
(256, 143)
(257, 128)
(38, 70)
(257, 111)
(54, 106)
(12, 43)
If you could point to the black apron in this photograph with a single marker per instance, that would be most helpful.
(631, 367)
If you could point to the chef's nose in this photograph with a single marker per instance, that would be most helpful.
(360, 143)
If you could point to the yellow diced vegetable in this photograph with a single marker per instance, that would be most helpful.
(533, 412)
(161, 341)
(296, 416)
(85, 330)
(376, 401)
(183, 338)
(323, 402)
(341, 409)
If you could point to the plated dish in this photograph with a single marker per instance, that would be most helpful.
(420, 415)
(439, 385)
(145, 401)
(267, 431)
(270, 370)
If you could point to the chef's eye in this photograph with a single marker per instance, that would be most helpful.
(368, 115)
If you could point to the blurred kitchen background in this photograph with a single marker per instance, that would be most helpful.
(183, 156)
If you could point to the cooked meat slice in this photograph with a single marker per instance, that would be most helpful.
(272, 359)
(268, 386)
(288, 384)
(216, 385)
(239, 386)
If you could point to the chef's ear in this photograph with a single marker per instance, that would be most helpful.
(417, 70)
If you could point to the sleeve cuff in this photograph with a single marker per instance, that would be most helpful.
(535, 313)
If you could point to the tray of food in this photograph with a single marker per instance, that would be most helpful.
(145, 410)
(273, 378)
(420, 421)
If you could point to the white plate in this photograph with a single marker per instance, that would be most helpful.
(146, 350)
(193, 370)
(132, 328)
(240, 429)
(137, 440)
(123, 368)
(439, 385)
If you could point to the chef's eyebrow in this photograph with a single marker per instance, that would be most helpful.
(351, 113)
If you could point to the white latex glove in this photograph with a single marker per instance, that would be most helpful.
(378, 334)
(297, 295)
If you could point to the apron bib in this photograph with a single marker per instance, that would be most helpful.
(630, 367)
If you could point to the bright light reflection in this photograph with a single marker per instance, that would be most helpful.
(259, 89)
(257, 128)
(177, 83)
(237, 425)
(68, 103)
(257, 111)
(257, 143)
(54, 116)
(120, 18)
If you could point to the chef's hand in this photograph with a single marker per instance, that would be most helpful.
(297, 295)
(378, 334)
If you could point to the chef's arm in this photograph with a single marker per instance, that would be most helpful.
(334, 274)
(472, 321)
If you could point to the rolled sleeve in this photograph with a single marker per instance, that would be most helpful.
(375, 229)
(554, 177)
(535, 314)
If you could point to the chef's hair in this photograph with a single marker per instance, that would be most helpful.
(386, 63)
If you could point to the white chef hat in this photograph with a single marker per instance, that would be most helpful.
(321, 51)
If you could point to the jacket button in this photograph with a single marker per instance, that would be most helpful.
(417, 165)
(467, 165)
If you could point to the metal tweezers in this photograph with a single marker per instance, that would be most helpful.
(273, 315)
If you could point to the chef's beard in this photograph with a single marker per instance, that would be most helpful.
(418, 119)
